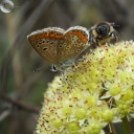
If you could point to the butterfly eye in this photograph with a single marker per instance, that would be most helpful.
(53, 68)
(75, 44)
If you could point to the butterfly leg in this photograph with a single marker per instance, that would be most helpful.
(64, 68)
(64, 76)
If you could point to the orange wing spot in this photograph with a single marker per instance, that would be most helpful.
(84, 40)
(74, 32)
(46, 35)
(82, 37)
(37, 36)
(42, 36)
(77, 33)
(32, 39)
(67, 34)
(51, 35)
(58, 36)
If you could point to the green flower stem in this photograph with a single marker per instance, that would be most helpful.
(126, 125)
(112, 129)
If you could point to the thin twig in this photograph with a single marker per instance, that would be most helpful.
(19, 105)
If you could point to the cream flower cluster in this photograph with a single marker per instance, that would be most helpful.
(93, 93)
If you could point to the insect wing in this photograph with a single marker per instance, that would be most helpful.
(75, 41)
(46, 41)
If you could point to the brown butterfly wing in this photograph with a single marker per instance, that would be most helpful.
(46, 41)
(75, 41)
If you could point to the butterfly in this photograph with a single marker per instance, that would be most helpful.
(59, 47)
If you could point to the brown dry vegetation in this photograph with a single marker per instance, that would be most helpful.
(21, 89)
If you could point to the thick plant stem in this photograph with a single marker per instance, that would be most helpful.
(126, 125)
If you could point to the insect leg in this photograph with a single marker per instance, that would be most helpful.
(115, 36)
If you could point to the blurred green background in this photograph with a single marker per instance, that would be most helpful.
(21, 89)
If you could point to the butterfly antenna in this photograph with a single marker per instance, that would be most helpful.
(38, 69)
